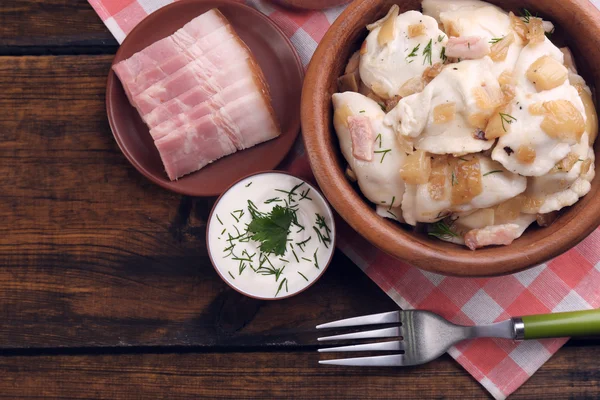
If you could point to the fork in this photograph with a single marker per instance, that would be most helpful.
(424, 336)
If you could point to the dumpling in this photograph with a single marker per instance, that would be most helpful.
(379, 179)
(547, 55)
(460, 185)
(434, 8)
(398, 49)
(480, 22)
(565, 184)
(539, 129)
(446, 117)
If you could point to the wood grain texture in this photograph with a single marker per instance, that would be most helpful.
(534, 247)
(572, 374)
(93, 254)
(52, 26)
(95, 260)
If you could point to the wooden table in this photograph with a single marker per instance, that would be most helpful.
(106, 290)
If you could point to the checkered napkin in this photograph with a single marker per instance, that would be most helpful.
(569, 282)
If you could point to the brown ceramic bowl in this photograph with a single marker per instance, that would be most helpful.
(277, 58)
(312, 4)
(579, 22)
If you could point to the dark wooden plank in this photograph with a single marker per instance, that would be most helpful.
(573, 373)
(50, 26)
(93, 254)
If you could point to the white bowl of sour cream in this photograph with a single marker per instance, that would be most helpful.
(271, 235)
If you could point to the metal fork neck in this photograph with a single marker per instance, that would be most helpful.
(503, 329)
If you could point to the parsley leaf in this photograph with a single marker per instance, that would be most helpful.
(271, 230)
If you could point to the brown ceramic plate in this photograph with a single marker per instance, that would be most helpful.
(537, 245)
(279, 62)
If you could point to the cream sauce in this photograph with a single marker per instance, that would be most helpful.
(240, 261)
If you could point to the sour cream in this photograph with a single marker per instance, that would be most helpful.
(238, 258)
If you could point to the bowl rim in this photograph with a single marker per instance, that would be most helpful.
(494, 261)
(323, 269)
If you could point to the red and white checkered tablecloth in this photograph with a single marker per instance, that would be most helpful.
(569, 282)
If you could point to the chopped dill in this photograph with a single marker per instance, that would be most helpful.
(441, 230)
(302, 275)
(383, 152)
(378, 137)
(414, 51)
(526, 15)
(281, 285)
(427, 53)
(302, 244)
(492, 172)
(506, 118)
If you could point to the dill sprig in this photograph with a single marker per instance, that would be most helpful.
(383, 154)
(506, 118)
(414, 51)
(378, 137)
(265, 270)
(442, 230)
(273, 200)
(291, 193)
(392, 204)
(427, 53)
(492, 172)
(281, 285)
(496, 40)
(526, 15)
(321, 225)
(304, 195)
(316, 260)
(302, 275)
(302, 244)
(242, 267)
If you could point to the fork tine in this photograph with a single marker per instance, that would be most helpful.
(383, 346)
(394, 360)
(382, 318)
(377, 333)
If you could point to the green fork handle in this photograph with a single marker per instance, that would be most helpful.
(567, 324)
